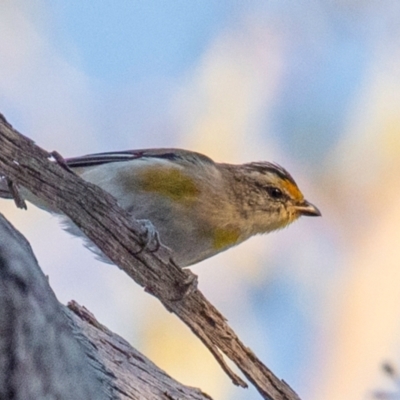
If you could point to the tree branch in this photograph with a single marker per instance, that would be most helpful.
(135, 376)
(39, 356)
(120, 237)
(49, 351)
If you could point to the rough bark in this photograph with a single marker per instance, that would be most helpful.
(120, 238)
(136, 377)
(49, 351)
(40, 357)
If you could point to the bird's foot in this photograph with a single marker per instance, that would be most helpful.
(151, 237)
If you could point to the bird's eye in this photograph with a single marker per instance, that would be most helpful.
(274, 192)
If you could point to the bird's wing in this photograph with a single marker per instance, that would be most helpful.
(174, 155)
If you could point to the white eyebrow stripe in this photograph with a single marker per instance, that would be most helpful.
(272, 168)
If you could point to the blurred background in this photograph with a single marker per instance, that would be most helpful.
(311, 84)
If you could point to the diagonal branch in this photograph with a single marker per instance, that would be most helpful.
(114, 231)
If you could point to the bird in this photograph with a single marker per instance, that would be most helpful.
(199, 207)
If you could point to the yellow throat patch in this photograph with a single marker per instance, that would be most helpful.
(225, 237)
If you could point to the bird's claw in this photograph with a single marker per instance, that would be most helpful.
(150, 236)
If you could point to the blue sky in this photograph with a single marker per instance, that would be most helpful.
(310, 84)
(137, 39)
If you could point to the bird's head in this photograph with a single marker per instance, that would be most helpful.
(270, 197)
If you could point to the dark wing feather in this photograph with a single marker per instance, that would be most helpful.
(177, 155)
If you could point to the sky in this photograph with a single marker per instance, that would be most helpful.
(313, 85)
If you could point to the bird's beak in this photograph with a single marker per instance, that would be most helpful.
(308, 209)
